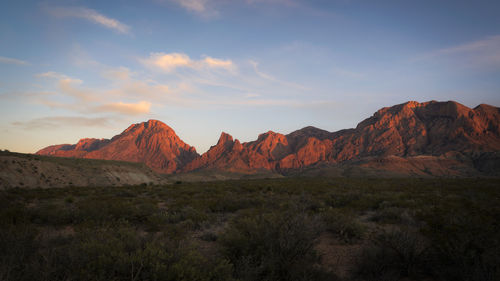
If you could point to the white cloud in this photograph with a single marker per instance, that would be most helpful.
(198, 6)
(213, 62)
(210, 8)
(99, 101)
(183, 82)
(138, 108)
(203, 8)
(12, 61)
(171, 61)
(168, 62)
(90, 15)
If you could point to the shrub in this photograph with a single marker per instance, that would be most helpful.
(17, 247)
(231, 204)
(122, 255)
(392, 256)
(344, 226)
(276, 246)
(465, 246)
(53, 214)
(392, 215)
(208, 236)
(186, 213)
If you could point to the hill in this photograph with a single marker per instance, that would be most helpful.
(410, 139)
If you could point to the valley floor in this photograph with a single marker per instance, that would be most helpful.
(255, 229)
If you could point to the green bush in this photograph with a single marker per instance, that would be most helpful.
(122, 255)
(52, 214)
(231, 203)
(115, 253)
(392, 256)
(344, 226)
(17, 248)
(208, 236)
(275, 246)
(392, 215)
(466, 246)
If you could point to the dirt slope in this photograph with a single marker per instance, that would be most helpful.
(34, 171)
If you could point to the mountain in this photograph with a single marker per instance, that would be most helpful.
(430, 138)
(151, 142)
(405, 130)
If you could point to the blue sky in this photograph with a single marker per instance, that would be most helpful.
(74, 69)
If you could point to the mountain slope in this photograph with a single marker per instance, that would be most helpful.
(151, 142)
(404, 130)
(455, 140)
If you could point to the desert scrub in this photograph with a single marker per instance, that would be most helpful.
(110, 253)
(273, 246)
(465, 244)
(260, 230)
(344, 226)
(394, 255)
(17, 247)
(122, 255)
(55, 214)
(392, 215)
(232, 203)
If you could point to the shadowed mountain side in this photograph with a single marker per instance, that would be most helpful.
(450, 165)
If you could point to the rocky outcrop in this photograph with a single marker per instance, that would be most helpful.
(151, 142)
(405, 131)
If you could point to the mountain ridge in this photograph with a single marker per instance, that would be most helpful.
(405, 130)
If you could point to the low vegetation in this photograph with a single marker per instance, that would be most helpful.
(274, 229)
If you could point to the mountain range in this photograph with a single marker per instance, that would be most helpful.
(430, 138)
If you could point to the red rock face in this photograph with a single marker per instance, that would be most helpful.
(404, 130)
(152, 143)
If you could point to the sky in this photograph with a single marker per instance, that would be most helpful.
(74, 69)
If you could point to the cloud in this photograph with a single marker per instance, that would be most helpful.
(138, 108)
(51, 74)
(213, 62)
(203, 8)
(271, 78)
(97, 101)
(183, 82)
(171, 61)
(69, 85)
(198, 6)
(60, 121)
(290, 3)
(210, 8)
(25, 94)
(12, 61)
(491, 43)
(90, 15)
(120, 73)
(168, 62)
(484, 52)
